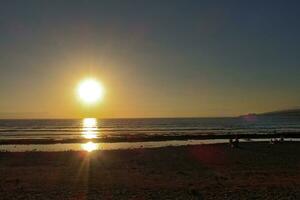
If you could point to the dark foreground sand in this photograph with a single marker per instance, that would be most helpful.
(254, 171)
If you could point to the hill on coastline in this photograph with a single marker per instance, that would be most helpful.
(279, 113)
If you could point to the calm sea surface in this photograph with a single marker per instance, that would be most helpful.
(90, 128)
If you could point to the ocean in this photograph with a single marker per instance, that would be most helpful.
(123, 130)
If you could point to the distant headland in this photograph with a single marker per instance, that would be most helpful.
(278, 113)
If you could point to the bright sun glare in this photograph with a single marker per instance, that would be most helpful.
(90, 91)
(89, 129)
(89, 147)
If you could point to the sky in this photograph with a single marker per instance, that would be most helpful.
(155, 58)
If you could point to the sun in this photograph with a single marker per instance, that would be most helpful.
(90, 91)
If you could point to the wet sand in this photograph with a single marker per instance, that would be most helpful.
(215, 171)
(150, 138)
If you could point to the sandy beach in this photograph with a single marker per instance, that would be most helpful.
(215, 171)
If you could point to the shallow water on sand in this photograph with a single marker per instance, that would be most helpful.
(91, 146)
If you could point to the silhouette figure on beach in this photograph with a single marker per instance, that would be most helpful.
(231, 142)
(277, 141)
(234, 143)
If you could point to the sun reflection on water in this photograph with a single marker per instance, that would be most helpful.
(89, 146)
(89, 129)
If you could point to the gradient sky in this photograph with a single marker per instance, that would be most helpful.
(155, 58)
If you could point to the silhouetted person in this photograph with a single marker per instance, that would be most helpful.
(231, 142)
(236, 142)
(281, 139)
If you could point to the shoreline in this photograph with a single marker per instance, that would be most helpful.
(179, 147)
(91, 146)
(154, 138)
